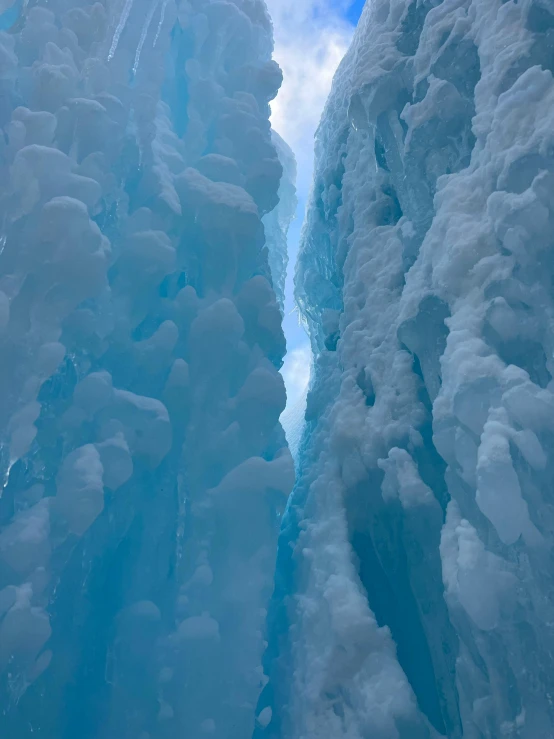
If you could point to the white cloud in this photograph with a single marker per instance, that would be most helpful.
(311, 37)
(296, 373)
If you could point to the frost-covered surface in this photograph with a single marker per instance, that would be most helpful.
(277, 222)
(143, 466)
(414, 583)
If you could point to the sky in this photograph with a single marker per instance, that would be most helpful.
(311, 37)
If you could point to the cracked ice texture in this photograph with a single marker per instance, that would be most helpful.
(414, 581)
(143, 466)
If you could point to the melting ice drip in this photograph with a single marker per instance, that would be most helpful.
(144, 33)
(125, 13)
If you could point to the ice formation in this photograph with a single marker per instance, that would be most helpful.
(144, 471)
(144, 207)
(277, 222)
(414, 580)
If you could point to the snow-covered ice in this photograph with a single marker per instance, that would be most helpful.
(414, 581)
(144, 209)
(144, 470)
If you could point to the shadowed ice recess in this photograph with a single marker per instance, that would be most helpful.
(162, 574)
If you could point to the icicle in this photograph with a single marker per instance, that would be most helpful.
(144, 33)
(160, 24)
(120, 26)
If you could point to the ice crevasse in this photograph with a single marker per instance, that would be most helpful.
(414, 580)
(144, 203)
(143, 468)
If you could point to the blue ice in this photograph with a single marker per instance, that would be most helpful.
(157, 577)
(144, 470)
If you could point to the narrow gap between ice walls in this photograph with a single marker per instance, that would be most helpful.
(310, 40)
(144, 469)
(413, 585)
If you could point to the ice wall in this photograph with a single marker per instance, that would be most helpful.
(277, 222)
(144, 470)
(414, 583)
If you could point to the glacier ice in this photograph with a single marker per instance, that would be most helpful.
(413, 592)
(144, 470)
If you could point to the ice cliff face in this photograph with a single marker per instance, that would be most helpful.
(144, 470)
(414, 583)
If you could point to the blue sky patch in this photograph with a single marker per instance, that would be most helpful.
(355, 10)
